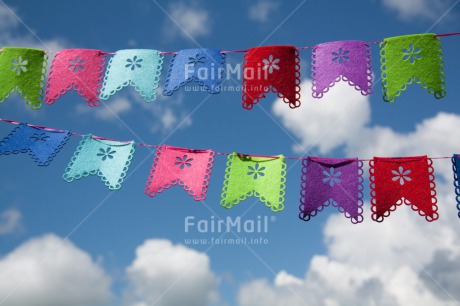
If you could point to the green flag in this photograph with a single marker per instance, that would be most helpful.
(412, 58)
(261, 177)
(23, 70)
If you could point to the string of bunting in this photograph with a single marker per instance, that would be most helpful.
(404, 60)
(336, 182)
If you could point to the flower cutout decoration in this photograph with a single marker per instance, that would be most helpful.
(19, 65)
(411, 54)
(195, 60)
(340, 56)
(270, 64)
(134, 63)
(107, 153)
(401, 175)
(77, 64)
(256, 171)
(330, 202)
(39, 137)
(183, 162)
(332, 176)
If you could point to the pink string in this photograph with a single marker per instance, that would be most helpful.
(234, 51)
(448, 34)
(306, 47)
(108, 139)
(167, 52)
(243, 51)
(156, 146)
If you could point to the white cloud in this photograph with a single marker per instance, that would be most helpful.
(393, 263)
(341, 120)
(11, 22)
(325, 123)
(285, 279)
(187, 20)
(261, 10)
(429, 9)
(163, 115)
(167, 275)
(117, 107)
(132, 43)
(10, 221)
(166, 113)
(108, 110)
(7, 19)
(48, 271)
(168, 119)
(402, 261)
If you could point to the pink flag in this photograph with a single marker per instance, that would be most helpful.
(79, 69)
(189, 168)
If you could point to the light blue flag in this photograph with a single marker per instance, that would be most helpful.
(107, 159)
(140, 68)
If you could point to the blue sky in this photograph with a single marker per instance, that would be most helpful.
(81, 244)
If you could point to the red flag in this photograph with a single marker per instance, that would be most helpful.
(273, 68)
(408, 180)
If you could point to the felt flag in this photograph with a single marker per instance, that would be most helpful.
(23, 70)
(274, 68)
(412, 58)
(79, 69)
(262, 177)
(188, 168)
(107, 159)
(334, 182)
(139, 68)
(456, 169)
(399, 180)
(42, 145)
(204, 66)
(348, 60)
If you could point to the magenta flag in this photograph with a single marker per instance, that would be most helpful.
(78, 69)
(188, 168)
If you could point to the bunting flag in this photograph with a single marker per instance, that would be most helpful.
(42, 145)
(348, 60)
(23, 70)
(188, 168)
(325, 181)
(274, 68)
(456, 169)
(334, 182)
(261, 177)
(404, 60)
(79, 69)
(205, 66)
(412, 58)
(139, 68)
(107, 159)
(408, 180)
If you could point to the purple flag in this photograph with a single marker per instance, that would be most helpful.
(332, 181)
(348, 60)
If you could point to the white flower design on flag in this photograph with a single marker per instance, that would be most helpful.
(401, 175)
(270, 64)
